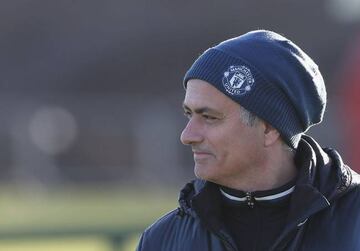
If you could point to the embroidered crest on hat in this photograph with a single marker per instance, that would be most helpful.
(238, 80)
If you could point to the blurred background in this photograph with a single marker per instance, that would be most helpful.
(90, 106)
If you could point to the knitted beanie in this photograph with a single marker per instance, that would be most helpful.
(268, 75)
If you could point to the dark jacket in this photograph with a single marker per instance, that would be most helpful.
(324, 212)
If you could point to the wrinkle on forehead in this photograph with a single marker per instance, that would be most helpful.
(201, 94)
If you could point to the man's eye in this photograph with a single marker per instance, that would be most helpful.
(208, 117)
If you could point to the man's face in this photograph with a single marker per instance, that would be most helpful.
(225, 149)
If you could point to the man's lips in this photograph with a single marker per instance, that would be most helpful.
(200, 153)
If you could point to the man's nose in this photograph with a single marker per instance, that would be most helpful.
(192, 133)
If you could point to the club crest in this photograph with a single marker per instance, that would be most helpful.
(238, 80)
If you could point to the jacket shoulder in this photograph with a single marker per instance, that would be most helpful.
(337, 225)
(169, 231)
(178, 231)
(163, 223)
(152, 235)
(349, 202)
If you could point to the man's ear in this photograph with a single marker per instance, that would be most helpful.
(271, 135)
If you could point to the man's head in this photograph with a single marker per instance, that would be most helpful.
(246, 97)
(269, 76)
(227, 141)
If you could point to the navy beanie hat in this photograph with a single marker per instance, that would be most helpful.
(268, 75)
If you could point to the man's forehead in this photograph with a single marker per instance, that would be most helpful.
(200, 94)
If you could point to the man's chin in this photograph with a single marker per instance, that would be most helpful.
(204, 172)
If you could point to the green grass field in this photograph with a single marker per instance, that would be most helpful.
(78, 219)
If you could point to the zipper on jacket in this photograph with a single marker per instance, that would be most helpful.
(250, 199)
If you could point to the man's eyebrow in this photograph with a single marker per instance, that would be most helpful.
(204, 109)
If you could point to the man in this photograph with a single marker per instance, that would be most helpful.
(262, 183)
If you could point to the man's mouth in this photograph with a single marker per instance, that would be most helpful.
(201, 154)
